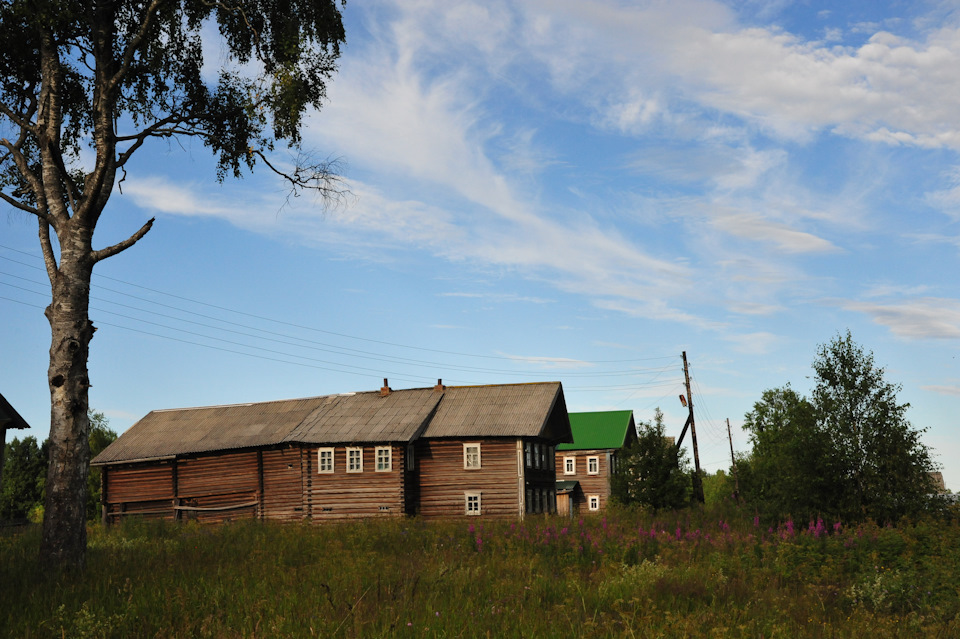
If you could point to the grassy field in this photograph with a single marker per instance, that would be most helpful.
(714, 573)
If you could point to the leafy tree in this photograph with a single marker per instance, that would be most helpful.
(113, 75)
(717, 487)
(100, 437)
(24, 472)
(653, 472)
(883, 467)
(847, 452)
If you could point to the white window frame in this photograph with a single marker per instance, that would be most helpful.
(320, 453)
(570, 465)
(380, 467)
(467, 465)
(472, 503)
(593, 502)
(350, 466)
(595, 462)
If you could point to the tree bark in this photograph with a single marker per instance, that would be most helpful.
(64, 523)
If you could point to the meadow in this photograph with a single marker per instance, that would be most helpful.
(718, 572)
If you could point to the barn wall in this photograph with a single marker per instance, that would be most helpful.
(144, 490)
(598, 484)
(444, 481)
(342, 496)
(282, 484)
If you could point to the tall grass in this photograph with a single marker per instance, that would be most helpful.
(714, 573)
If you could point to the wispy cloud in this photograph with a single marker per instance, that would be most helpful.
(549, 363)
(944, 390)
(921, 318)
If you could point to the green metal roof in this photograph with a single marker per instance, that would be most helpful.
(603, 429)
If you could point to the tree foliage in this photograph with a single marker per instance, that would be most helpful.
(652, 471)
(848, 451)
(110, 76)
(24, 473)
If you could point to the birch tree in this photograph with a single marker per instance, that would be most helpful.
(112, 76)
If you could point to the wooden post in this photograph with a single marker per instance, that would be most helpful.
(697, 484)
(176, 490)
(260, 483)
(733, 465)
(104, 518)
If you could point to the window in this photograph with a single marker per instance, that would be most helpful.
(529, 449)
(325, 460)
(536, 455)
(543, 456)
(529, 507)
(354, 460)
(411, 458)
(569, 465)
(553, 501)
(472, 503)
(594, 501)
(593, 465)
(384, 459)
(551, 457)
(536, 501)
(471, 456)
(613, 465)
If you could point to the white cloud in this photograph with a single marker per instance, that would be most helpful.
(944, 390)
(921, 318)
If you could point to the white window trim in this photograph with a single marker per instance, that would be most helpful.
(595, 460)
(465, 458)
(355, 470)
(376, 459)
(593, 502)
(320, 453)
(466, 503)
(573, 460)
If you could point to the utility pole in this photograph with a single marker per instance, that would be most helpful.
(697, 484)
(733, 465)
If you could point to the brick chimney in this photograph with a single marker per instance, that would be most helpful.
(385, 389)
(439, 387)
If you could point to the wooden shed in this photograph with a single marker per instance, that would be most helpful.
(440, 451)
(586, 465)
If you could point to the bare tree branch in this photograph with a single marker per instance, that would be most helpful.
(321, 177)
(103, 254)
(20, 205)
(49, 259)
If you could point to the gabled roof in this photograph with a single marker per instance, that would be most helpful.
(504, 410)
(9, 417)
(518, 410)
(599, 430)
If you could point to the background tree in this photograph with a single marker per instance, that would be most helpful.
(100, 437)
(24, 474)
(112, 75)
(653, 472)
(884, 468)
(847, 452)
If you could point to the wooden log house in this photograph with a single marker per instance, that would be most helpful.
(584, 466)
(439, 452)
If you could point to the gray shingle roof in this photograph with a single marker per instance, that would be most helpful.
(514, 410)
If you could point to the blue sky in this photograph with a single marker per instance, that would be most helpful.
(554, 190)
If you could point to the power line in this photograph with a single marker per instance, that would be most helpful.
(310, 328)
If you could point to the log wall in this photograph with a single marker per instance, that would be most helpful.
(444, 481)
(341, 495)
(598, 484)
